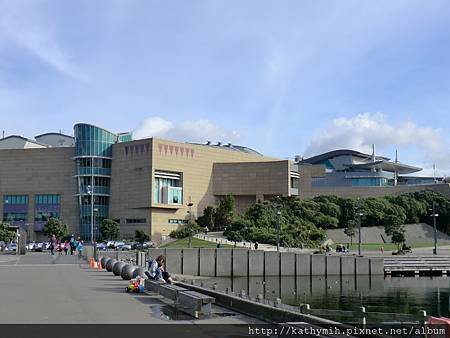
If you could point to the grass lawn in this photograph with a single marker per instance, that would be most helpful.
(196, 243)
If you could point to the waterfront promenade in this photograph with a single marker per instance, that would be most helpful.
(38, 288)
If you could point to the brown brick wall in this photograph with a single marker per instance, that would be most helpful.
(41, 171)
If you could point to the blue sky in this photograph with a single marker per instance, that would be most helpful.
(283, 77)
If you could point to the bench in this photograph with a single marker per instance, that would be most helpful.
(153, 285)
(171, 291)
(195, 303)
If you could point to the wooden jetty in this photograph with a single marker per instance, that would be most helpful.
(439, 265)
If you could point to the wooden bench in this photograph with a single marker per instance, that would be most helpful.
(195, 303)
(153, 285)
(171, 291)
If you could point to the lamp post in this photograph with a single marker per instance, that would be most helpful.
(434, 215)
(359, 227)
(89, 190)
(190, 204)
(278, 228)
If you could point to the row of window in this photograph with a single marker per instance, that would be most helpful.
(38, 199)
(98, 181)
(178, 221)
(136, 220)
(39, 216)
(47, 199)
(97, 162)
(15, 199)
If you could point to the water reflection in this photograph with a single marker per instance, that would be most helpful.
(376, 293)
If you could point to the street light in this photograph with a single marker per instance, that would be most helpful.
(190, 204)
(278, 229)
(89, 191)
(434, 215)
(359, 227)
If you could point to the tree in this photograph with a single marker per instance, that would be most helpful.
(140, 236)
(350, 230)
(207, 220)
(55, 227)
(235, 236)
(110, 229)
(6, 234)
(398, 237)
(224, 213)
(191, 229)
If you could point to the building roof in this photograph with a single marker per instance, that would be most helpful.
(380, 163)
(24, 139)
(339, 152)
(229, 146)
(400, 168)
(58, 134)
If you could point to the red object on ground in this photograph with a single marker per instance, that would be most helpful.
(442, 322)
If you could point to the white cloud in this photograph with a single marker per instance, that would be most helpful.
(21, 25)
(363, 130)
(188, 131)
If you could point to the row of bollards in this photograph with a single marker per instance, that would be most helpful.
(119, 268)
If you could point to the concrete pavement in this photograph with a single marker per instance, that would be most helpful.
(39, 289)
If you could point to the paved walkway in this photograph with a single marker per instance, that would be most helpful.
(39, 288)
(218, 237)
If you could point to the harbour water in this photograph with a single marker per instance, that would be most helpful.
(378, 294)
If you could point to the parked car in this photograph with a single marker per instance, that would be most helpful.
(142, 246)
(11, 247)
(38, 247)
(102, 246)
(124, 247)
(117, 244)
(30, 246)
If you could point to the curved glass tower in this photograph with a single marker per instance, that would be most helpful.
(93, 155)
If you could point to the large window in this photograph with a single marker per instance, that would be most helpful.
(46, 207)
(168, 188)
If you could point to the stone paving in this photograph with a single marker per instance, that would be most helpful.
(38, 288)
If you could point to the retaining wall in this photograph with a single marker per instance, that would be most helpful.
(242, 262)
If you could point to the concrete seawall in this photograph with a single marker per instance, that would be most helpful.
(243, 262)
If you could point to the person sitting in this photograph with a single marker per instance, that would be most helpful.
(156, 270)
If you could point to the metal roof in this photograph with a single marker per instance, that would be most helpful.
(339, 152)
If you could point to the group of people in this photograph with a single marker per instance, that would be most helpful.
(71, 245)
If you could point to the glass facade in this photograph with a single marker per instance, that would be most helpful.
(93, 141)
(93, 155)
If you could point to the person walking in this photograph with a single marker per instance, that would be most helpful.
(80, 248)
(72, 244)
(256, 245)
(66, 247)
(53, 243)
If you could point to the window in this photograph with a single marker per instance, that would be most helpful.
(15, 199)
(44, 216)
(168, 188)
(136, 220)
(46, 199)
(14, 216)
(178, 221)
